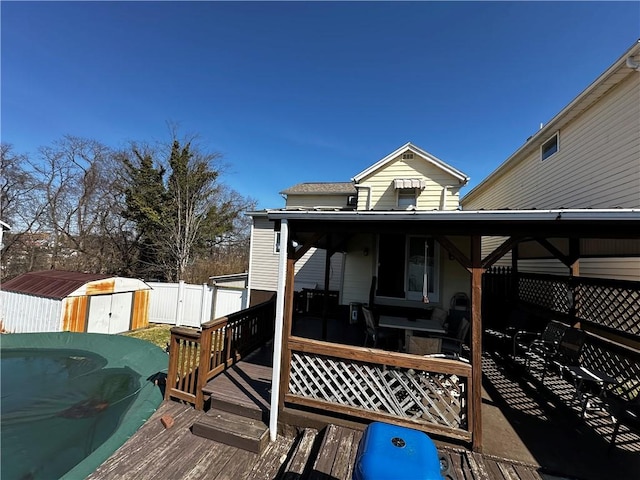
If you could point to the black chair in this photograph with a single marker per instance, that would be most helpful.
(518, 324)
(545, 345)
(568, 352)
(373, 332)
(623, 400)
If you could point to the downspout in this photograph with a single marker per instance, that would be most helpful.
(279, 322)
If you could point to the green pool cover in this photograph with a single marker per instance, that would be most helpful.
(69, 400)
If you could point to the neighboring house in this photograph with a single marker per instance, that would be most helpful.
(408, 179)
(587, 156)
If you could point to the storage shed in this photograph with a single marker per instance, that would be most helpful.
(54, 301)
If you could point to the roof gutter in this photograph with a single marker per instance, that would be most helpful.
(463, 215)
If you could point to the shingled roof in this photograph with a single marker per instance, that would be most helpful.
(322, 188)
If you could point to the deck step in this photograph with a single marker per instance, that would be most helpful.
(234, 430)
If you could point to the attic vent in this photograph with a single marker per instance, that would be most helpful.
(407, 156)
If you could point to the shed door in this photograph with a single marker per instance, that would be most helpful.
(99, 312)
(120, 312)
(110, 313)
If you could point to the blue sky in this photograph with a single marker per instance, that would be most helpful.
(304, 91)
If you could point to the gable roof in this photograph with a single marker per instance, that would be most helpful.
(321, 188)
(621, 69)
(410, 147)
(58, 284)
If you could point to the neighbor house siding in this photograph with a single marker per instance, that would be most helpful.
(383, 192)
(597, 165)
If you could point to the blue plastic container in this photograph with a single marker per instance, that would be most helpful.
(390, 452)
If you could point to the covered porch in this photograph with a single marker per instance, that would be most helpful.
(345, 380)
(442, 396)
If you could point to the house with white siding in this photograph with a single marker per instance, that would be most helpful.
(409, 268)
(586, 157)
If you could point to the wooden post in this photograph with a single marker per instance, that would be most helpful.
(172, 372)
(574, 271)
(476, 343)
(203, 366)
(285, 374)
(515, 294)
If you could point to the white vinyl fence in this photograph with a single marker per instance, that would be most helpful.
(187, 305)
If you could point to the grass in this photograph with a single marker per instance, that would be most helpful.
(156, 333)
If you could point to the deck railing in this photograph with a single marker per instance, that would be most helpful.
(196, 356)
(430, 394)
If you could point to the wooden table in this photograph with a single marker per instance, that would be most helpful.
(409, 325)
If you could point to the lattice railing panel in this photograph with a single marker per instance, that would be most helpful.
(407, 393)
(552, 294)
(618, 363)
(614, 306)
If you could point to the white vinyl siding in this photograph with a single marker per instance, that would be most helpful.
(597, 166)
(383, 192)
(263, 271)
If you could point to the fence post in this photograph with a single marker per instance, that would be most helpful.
(203, 313)
(180, 304)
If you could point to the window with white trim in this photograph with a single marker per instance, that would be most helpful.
(407, 198)
(549, 147)
(276, 242)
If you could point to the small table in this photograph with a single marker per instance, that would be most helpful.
(588, 377)
(404, 323)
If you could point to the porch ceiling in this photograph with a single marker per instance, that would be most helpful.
(621, 227)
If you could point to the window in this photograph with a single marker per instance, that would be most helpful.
(408, 267)
(276, 242)
(549, 147)
(406, 198)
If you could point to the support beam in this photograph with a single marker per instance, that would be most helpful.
(554, 251)
(454, 251)
(476, 342)
(279, 327)
(500, 252)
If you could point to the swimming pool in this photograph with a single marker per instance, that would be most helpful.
(69, 400)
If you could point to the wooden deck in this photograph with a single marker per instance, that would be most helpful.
(154, 453)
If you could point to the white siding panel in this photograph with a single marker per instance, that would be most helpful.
(30, 314)
(263, 271)
(383, 192)
(358, 270)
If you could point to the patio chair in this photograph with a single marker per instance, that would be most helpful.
(623, 400)
(518, 323)
(453, 345)
(545, 346)
(372, 331)
(568, 352)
